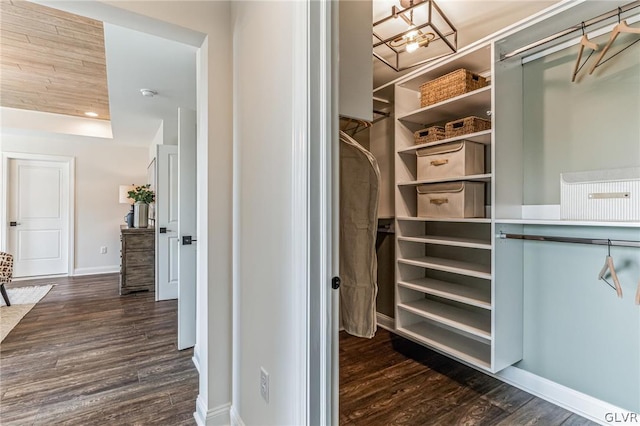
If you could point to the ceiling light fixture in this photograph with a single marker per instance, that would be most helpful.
(422, 23)
(413, 40)
(148, 93)
(91, 114)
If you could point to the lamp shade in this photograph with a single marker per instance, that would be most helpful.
(124, 194)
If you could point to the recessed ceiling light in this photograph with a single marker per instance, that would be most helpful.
(148, 93)
(91, 114)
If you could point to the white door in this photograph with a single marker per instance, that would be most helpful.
(187, 228)
(167, 237)
(38, 216)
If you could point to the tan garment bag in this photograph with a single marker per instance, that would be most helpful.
(359, 193)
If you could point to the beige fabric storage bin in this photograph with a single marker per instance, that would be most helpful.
(451, 200)
(454, 159)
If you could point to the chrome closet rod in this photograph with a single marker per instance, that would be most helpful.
(593, 241)
(577, 27)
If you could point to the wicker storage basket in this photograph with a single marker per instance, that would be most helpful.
(465, 126)
(430, 134)
(449, 86)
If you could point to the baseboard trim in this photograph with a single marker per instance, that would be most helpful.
(386, 322)
(39, 277)
(236, 420)
(96, 270)
(584, 405)
(196, 358)
(214, 417)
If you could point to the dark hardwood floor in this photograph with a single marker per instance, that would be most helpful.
(389, 380)
(85, 355)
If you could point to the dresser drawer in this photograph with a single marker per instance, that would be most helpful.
(138, 276)
(138, 258)
(138, 242)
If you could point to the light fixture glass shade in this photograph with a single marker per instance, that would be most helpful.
(399, 36)
(124, 194)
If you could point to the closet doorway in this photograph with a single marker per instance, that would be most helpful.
(388, 379)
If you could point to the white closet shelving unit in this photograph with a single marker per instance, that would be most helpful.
(447, 296)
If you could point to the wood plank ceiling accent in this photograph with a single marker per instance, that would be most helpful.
(51, 61)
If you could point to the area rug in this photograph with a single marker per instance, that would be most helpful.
(23, 299)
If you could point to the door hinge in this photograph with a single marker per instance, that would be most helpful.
(335, 283)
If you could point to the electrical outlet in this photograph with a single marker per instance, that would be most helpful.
(103, 250)
(264, 384)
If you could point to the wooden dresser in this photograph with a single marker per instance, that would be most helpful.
(137, 259)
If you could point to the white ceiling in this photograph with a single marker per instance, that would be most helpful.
(474, 19)
(135, 61)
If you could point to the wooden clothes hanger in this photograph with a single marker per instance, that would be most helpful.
(622, 27)
(584, 42)
(608, 264)
(351, 126)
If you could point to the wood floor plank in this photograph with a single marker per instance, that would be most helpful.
(576, 420)
(389, 380)
(508, 398)
(85, 355)
(537, 412)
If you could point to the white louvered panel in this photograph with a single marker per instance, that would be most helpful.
(606, 195)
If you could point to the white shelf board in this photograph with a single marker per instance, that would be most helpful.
(477, 59)
(558, 222)
(483, 137)
(437, 219)
(381, 103)
(458, 346)
(471, 322)
(386, 91)
(475, 103)
(475, 178)
(449, 241)
(457, 292)
(449, 265)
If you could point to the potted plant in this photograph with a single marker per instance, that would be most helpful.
(142, 196)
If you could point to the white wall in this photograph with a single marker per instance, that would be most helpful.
(101, 167)
(381, 146)
(356, 69)
(214, 84)
(158, 139)
(265, 289)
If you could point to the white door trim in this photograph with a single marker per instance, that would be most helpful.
(319, 174)
(300, 241)
(4, 172)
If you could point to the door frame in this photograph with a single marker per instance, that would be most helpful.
(70, 163)
(320, 173)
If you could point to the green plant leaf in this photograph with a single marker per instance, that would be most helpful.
(142, 194)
